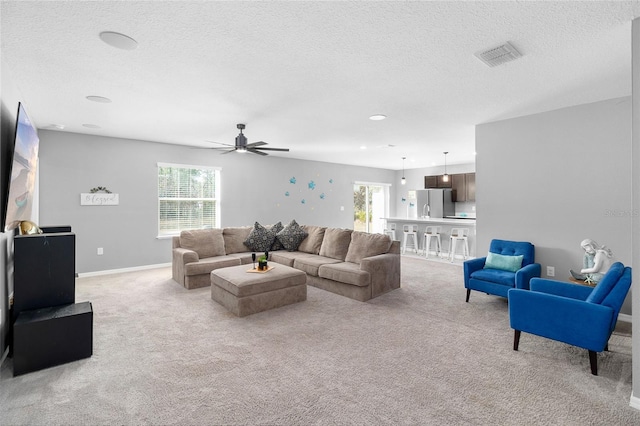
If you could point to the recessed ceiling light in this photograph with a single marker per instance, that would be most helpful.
(118, 40)
(100, 99)
(363, 147)
(55, 127)
(91, 126)
(377, 117)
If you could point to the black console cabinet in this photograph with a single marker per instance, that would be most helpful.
(48, 327)
(52, 336)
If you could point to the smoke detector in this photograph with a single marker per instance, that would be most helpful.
(499, 55)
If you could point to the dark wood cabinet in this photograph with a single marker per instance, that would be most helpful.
(470, 183)
(458, 183)
(431, 182)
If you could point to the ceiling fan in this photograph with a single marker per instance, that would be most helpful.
(242, 146)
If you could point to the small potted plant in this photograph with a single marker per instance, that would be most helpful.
(262, 263)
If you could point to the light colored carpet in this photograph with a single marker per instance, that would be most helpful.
(418, 355)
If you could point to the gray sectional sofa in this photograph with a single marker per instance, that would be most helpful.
(354, 264)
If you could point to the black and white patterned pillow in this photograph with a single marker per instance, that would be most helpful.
(260, 238)
(291, 236)
(277, 245)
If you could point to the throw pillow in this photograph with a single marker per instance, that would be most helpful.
(260, 238)
(277, 245)
(291, 236)
(503, 262)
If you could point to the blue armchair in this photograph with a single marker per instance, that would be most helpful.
(502, 269)
(571, 313)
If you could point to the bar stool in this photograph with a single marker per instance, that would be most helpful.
(390, 230)
(459, 234)
(410, 233)
(429, 233)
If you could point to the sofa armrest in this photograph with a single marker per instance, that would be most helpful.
(526, 273)
(559, 288)
(384, 270)
(179, 258)
(575, 322)
(470, 266)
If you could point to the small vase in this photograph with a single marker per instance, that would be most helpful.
(262, 265)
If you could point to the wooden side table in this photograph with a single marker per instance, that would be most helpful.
(581, 282)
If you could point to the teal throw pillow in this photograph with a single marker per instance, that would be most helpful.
(502, 262)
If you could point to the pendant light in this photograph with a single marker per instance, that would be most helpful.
(445, 176)
(403, 181)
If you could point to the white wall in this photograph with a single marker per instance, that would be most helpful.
(253, 189)
(635, 42)
(557, 178)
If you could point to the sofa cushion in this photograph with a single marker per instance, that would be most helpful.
(606, 284)
(277, 245)
(496, 276)
(345, 272)
(311, 262)
(260, 238)
(291, 236)
(205, 266)
(366, 245)
(286, 258)
(205, 242)
(335, 243)
(503, 262)
(234, 239)
(313, 242)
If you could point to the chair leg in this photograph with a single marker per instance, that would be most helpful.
(593, 360)
(606, 348)
(468, 294)
(516, 340)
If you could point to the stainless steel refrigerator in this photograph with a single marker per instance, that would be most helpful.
(434, 203)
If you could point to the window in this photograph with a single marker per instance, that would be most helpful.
(188, 198)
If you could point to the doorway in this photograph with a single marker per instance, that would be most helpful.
(370, 206)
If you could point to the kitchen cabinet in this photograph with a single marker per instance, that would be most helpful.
(459, 186)
(470, 183)
(431, 182)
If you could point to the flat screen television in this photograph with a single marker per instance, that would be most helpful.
(22, 181)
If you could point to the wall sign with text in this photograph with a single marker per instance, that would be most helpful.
(99, 199)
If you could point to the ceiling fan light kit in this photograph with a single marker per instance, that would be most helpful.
(242, 146)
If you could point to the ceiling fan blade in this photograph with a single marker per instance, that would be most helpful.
(255, 144)
(228, 151)
(255, 151)
(275, 149)
(220, 143)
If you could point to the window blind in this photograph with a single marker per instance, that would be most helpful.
(187, 198)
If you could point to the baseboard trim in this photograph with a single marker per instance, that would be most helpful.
(624, 318)
(634, 402)
(121, 270)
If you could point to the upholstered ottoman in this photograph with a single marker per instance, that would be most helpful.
(245, 293)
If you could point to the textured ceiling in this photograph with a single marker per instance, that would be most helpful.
(307, 75)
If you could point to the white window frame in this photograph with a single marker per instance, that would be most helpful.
(216, 196)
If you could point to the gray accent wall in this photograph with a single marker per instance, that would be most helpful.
(254, 188)
(557, 178)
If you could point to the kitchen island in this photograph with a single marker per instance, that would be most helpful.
(446, 225)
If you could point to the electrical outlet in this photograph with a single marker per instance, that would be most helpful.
(551, 271)
(100, 251)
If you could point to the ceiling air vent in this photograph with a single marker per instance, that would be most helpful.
(498, 55)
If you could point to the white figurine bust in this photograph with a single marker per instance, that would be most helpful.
(596, 262)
